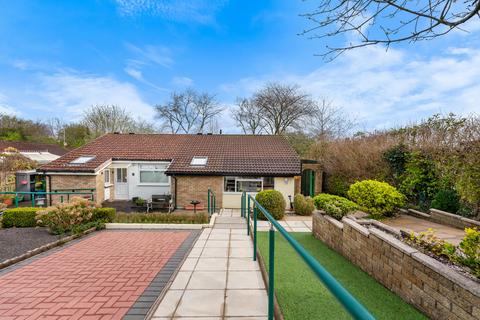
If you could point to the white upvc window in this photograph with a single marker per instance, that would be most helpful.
(247, 184)
(106, 176)
(153, 174)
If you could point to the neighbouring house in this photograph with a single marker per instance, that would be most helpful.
(123, 166)
(41, 153)
(18, 156)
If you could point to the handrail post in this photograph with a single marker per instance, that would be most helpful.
(255, 232)
(241, 205)
(208, 202)
(271, 271)
(33, 199)
(248, 217)
(214, 203)
(16, 200)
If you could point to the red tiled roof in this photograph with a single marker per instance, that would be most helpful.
(227, 154)
(25, 146)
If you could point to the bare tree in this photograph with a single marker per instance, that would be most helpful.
(282, 106)
(328, 121)
(101, 119)
(189, 111)
(248, 116)
(387, 21)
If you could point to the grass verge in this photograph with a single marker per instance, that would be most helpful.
(302, 296)
(187, 218)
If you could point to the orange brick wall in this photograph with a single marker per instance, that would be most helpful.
(77, 182)
(196, 188)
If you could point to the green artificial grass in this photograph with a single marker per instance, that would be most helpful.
(301, 295)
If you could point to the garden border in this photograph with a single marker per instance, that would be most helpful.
(146, 226)
(429, 285)
(45, 247)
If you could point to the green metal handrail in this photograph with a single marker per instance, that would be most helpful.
(355, 308)
(44, 193)
(211, 202)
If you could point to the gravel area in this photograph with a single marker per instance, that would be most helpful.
(16, 241)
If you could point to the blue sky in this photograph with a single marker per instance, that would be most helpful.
(59, 57)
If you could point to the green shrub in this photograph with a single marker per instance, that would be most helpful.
(104, 214)
(337, 185)
(20, 217)
(470, 247)
(273, 202)
(334, 206)
(303, 206)
(419, 182)
(375, 197)
(63, 217)
(446, 200)
(186, 218)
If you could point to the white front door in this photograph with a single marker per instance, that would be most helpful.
(121, 184)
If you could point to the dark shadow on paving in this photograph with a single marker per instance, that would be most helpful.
(17, 241)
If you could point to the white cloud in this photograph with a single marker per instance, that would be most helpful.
(182, 81)
(74, 92)
(200, 11)
(382, 89)
(150, 54)
(134, 73)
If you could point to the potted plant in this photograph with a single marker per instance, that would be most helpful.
(140, 202)
(7, 199)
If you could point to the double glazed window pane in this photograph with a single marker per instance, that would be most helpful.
(153, 177)
(121, 174)
(249, 186)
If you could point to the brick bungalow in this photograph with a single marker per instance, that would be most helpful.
(122, 166)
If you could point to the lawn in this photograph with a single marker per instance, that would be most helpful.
(302, 296)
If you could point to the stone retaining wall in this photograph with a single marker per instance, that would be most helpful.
(445, 218)
(427, 284)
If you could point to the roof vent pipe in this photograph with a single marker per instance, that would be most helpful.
(220, 131)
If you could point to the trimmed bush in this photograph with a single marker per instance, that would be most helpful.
(63, 217)
(273, 202)
(104, 214)
(334, 206)
(376, 197)
(187, 218)
(446, 200)
(303, 206)
(20, 217)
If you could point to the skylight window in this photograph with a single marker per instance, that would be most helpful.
(199, 161)
(82, 160)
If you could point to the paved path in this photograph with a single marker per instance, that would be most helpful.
(102, 276)
(406, 222)
(219, 279)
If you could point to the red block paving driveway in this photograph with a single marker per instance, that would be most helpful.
(99, 277)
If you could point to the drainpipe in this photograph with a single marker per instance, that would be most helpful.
(175, 195)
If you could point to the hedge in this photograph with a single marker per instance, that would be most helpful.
(20, 217)
(104, 214)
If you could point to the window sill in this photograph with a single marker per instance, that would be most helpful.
(239, 192)
(153, 184)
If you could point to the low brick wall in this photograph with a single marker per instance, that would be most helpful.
(445, 218)
(427, 284)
